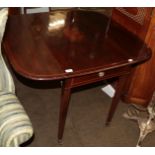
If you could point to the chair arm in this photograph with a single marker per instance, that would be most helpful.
(15, 125)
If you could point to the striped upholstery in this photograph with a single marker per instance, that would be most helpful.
(15, 125)
(6, 81)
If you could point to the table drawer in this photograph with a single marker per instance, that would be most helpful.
(98, 76)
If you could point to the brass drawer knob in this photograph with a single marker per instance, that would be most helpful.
(101, 74)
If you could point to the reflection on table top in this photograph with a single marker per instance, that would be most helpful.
(68, 43)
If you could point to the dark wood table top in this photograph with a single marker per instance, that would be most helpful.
(63, 44)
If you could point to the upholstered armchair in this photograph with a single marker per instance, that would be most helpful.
(15, 125)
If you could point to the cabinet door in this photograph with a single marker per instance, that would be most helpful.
(140, 85)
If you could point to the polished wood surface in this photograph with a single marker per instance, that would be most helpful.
(142, 86)
(14, 10)
(141, 21)
(75, 46)
(136, 19)
(81, 45)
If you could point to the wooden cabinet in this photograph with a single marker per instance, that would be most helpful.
(141, 84)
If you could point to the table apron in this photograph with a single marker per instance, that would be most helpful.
(96, 77)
